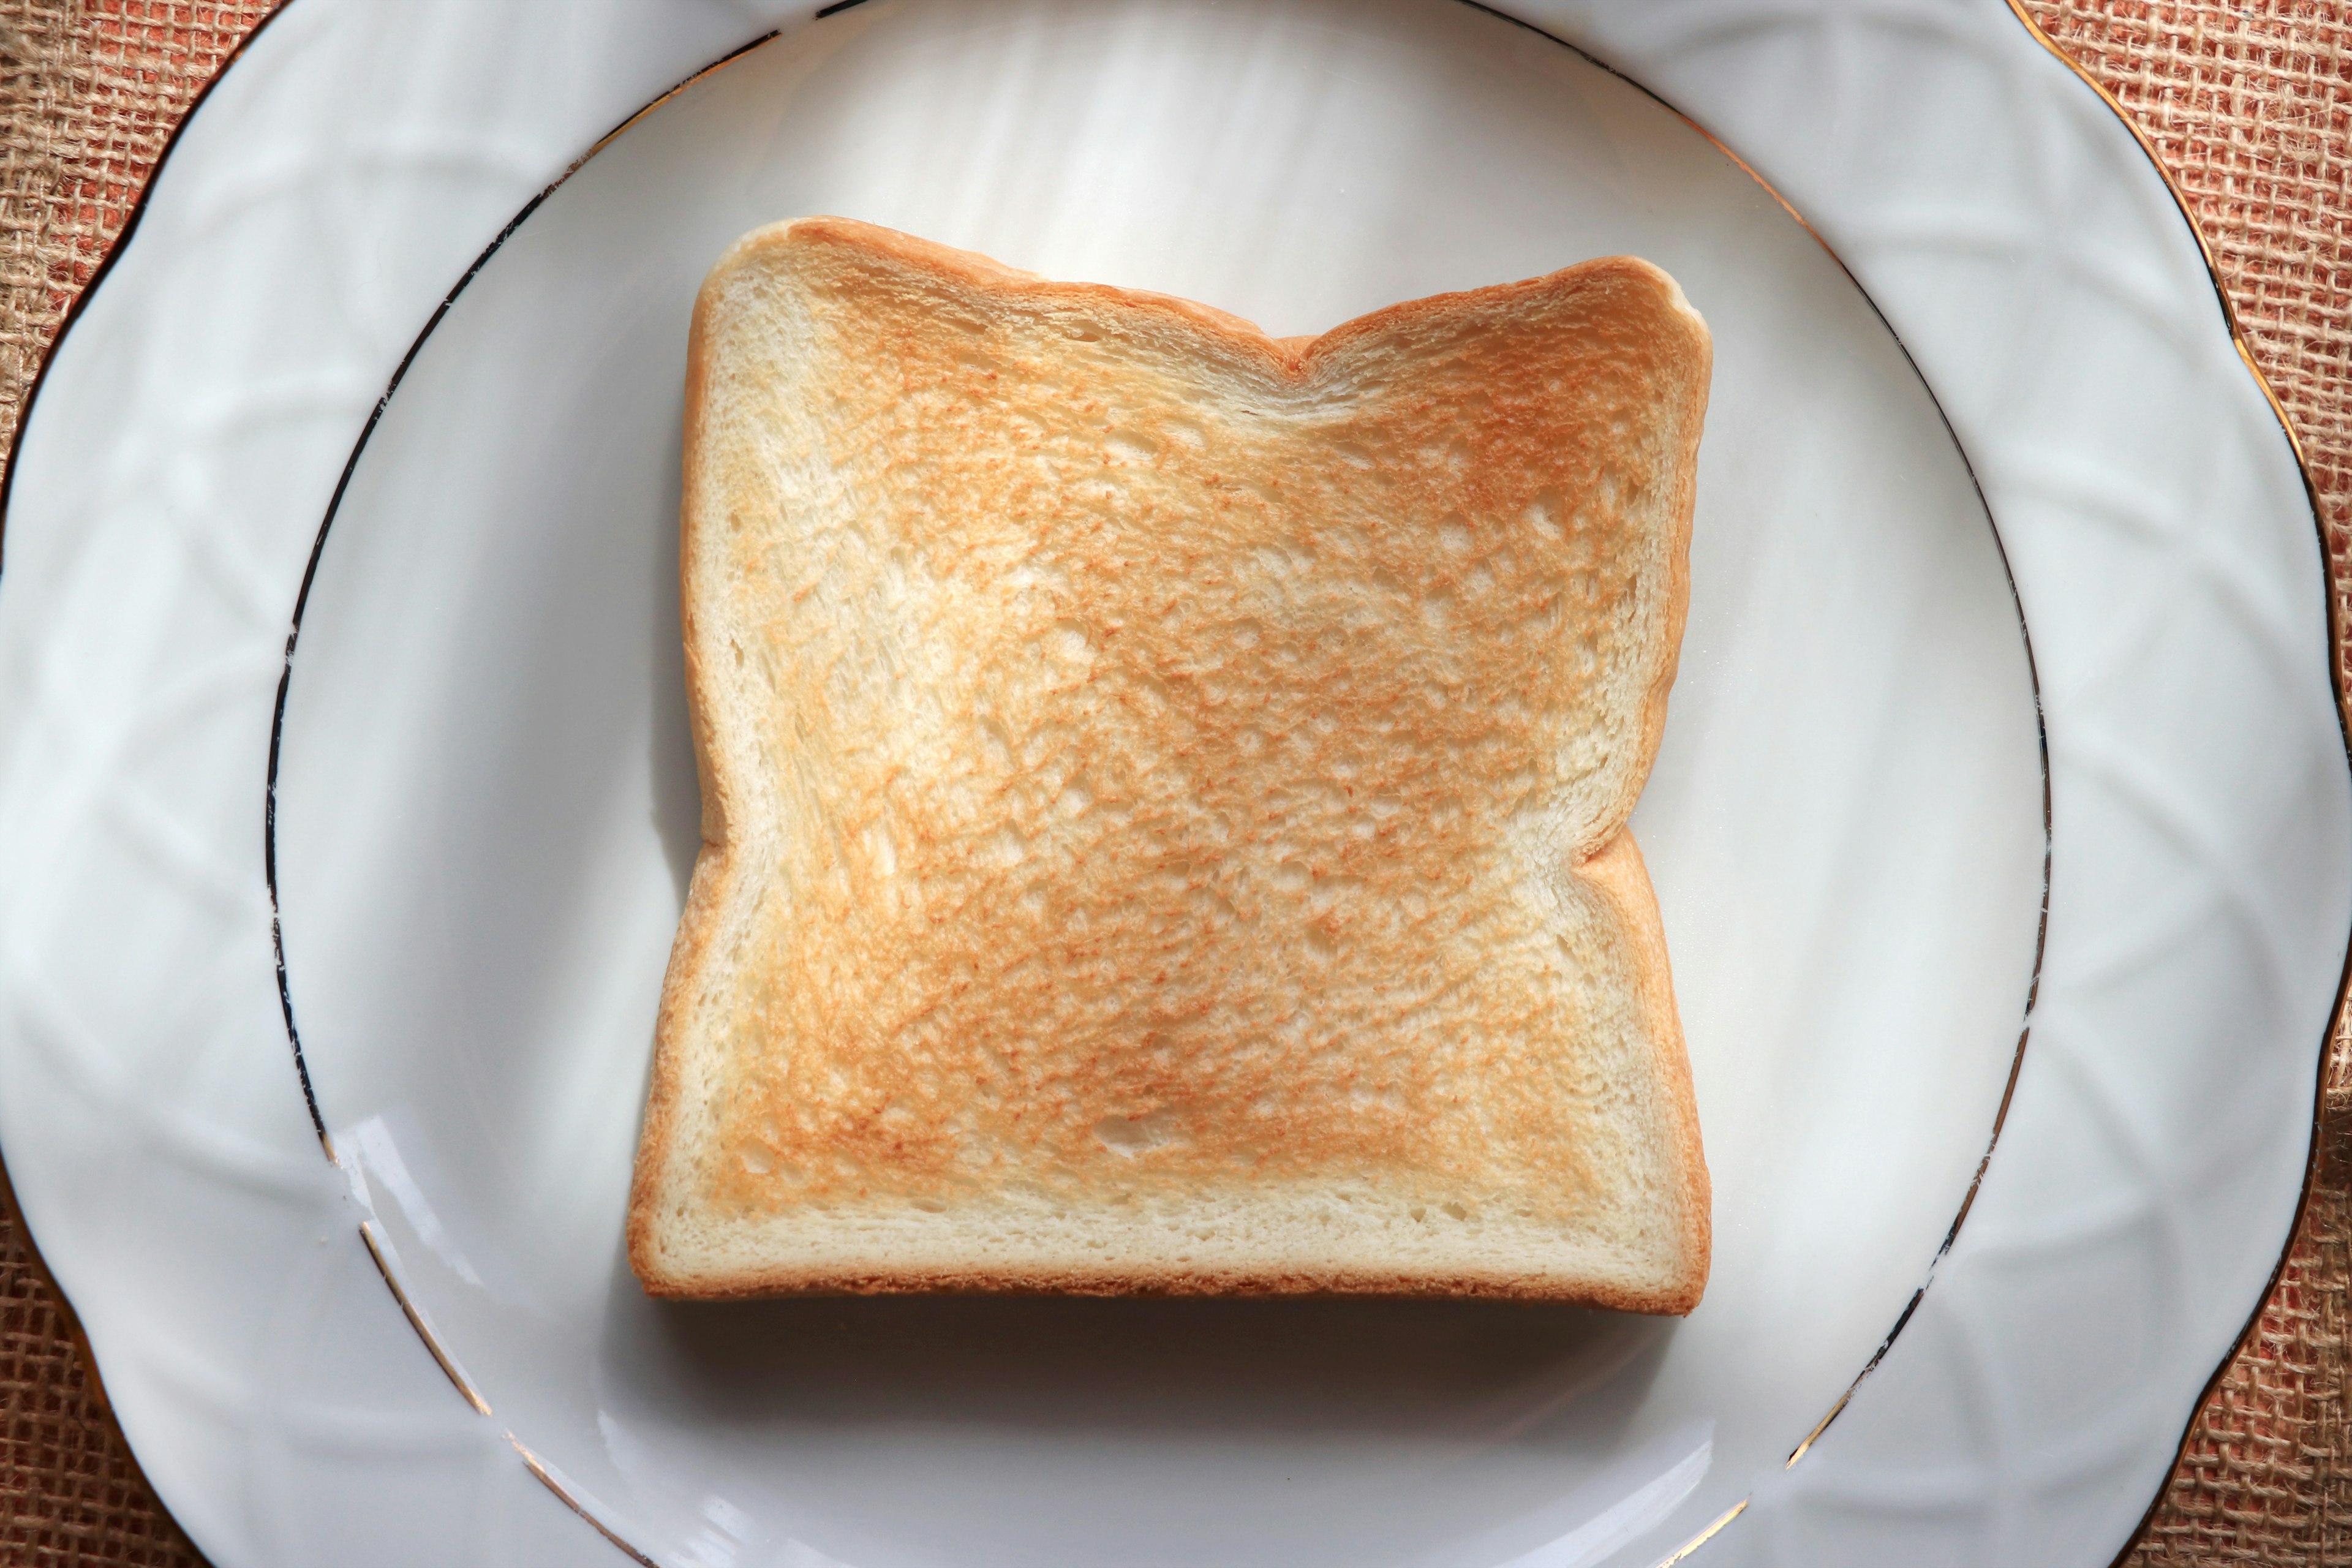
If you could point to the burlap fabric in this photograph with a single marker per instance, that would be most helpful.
(2250, 106)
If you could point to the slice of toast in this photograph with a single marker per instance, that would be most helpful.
(1164, 790)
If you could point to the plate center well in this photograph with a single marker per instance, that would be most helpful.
(487, 814)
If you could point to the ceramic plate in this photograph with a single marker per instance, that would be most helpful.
(346, 797)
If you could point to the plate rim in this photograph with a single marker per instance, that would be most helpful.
(2339, 681)
(2331, 577)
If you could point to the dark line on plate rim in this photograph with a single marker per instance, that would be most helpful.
(294, 633)
(380, 1252)
(672, 91)
(547, 1477)
(277, 728)
(2332, 591)
(327, 523)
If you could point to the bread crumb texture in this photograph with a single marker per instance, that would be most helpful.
(1165, 789)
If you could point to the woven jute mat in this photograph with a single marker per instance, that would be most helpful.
(2251, 108)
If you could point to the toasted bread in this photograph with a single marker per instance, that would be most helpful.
(1165, 790)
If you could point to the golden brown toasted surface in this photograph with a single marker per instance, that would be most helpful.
(1156, 759)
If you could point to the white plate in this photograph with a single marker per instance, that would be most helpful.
(485, 802)
(487, 812)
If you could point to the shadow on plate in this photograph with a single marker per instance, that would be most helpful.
(1489, 1368)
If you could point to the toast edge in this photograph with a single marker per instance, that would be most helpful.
(1683, 509)
(1674, 1301)
(1620, 876)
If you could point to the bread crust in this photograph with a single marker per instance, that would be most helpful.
(1619, 874)
(1600, 855)
(1397, 1285)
